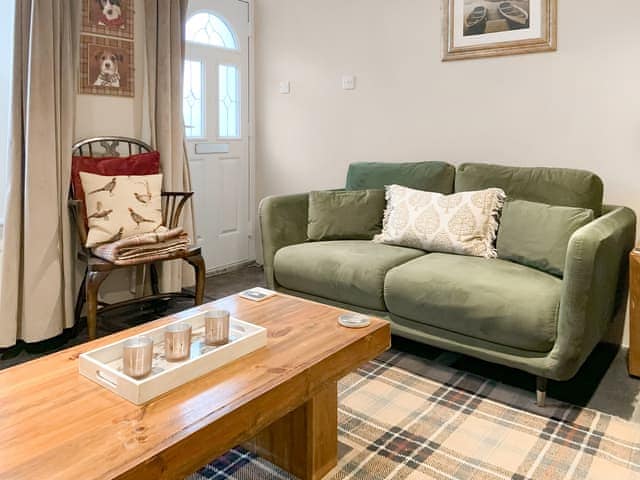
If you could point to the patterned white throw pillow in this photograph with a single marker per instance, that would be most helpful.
(465, 223)
(121, 206)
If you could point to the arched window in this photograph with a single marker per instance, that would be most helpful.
(209, 29)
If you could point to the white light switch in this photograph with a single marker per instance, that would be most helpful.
(348, 82)
(285, 88)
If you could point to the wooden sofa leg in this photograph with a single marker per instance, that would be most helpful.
(197, 262)
(94, 280)
(541, 391)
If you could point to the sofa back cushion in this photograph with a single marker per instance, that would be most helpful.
(345, 215)
(537, 234)
(430, 176)
(553, 186)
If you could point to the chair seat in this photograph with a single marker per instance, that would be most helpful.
(348, 271)
(100, 264)
(492, 300)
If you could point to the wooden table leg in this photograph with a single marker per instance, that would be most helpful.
(305, 441)
(634, 313)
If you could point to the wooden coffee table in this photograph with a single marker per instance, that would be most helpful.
(280, 400)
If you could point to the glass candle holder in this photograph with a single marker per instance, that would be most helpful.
(137, 357)
(216, 327)
(177, 342)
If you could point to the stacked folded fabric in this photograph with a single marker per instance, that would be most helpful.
(152, 246)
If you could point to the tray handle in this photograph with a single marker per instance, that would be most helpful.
(106, 380)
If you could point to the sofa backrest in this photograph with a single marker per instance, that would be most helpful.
(428, 176)
(554, 186)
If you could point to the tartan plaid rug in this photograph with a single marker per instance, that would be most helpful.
(404, 417)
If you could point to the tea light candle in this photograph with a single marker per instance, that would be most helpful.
(216, 327)
(137, 357)
(177, 342)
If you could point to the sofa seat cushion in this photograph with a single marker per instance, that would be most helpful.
(492, 300)
(348, 271)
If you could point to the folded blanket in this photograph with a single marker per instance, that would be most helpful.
(146, 246)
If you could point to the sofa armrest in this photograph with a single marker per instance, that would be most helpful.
(595, 273)
(283, 222)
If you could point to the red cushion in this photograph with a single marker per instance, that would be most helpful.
(139, 164)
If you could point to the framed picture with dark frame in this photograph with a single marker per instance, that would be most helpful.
(489, 28)
(113, 18)
(106, 66)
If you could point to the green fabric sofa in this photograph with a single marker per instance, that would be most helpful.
(495, 310)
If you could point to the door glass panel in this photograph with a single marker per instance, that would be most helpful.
(209, 29)
(192, 104)
(229, 102)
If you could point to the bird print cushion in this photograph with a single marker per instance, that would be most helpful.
(465, 223)
(136, 164)
(121, 206)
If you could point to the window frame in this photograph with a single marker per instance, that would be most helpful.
(207, 123)
(238, 104)
(203, 110)
(225, 22)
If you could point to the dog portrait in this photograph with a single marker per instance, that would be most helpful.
(108, 17)
(108, 62)
(110, 13)
(106, 66)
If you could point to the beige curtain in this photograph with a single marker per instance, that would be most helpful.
(165, 20)
(36, 274)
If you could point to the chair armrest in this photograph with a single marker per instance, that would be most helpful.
(77, 208)
(283, 222)
(593, 287)
(172, 206)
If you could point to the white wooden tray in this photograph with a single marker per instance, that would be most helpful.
(104, 365)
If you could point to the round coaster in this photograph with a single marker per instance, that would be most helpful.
(354, 320)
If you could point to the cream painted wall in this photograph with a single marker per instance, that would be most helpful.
(578, 107)
(104, 115)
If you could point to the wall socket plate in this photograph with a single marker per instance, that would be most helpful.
(348, 82)
(285, 87)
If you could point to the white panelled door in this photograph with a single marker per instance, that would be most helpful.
(217, 126)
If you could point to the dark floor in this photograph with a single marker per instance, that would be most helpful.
(602, 383)
(217, 287)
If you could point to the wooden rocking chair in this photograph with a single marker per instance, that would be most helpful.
(98, 269)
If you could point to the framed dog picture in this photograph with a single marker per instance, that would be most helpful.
(488, 28)
(106, 66)
(112, 18)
